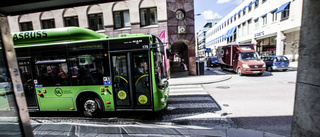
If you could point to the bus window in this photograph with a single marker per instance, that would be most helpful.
(141, 78)
(52, 72)
(87, 69)
(120, 80)
(160, 64)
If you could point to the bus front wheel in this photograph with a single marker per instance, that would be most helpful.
(91, 107)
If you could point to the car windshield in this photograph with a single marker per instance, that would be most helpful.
(214, 59)
(249, 56)
(282, 58)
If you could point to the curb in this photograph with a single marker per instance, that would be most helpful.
(225, 78)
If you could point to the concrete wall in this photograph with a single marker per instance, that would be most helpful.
(306, 117)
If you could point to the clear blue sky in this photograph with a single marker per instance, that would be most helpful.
(212, 9)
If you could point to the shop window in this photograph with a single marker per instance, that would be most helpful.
(71, 21)
(95, 21)
(47, 24)
(121, 19)
(26, 26)
(148, 16)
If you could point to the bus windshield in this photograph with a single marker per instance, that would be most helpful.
(249, 56)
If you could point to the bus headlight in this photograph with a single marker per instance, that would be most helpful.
(245, 66)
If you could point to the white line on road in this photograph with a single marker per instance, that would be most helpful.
(219, 72)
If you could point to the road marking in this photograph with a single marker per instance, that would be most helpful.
(219, 72)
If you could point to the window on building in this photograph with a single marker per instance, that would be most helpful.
(256, 22)
(121, 19)
(47, 24)
(95, 21)
(249, 7)
(243, 29)
(244, 12)
(238, 32)
(26, 26)
(235, 17)
(148, 16)
(239, 15)
(264, 19)
(263, 1)
(285, 13)
(274, 16)
(249, 26)
(71, 21)
(256, 5)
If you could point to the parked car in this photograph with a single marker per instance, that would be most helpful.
(240, 58)
(276, 63)
(212, 61)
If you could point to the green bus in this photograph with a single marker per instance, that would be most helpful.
(76, 69)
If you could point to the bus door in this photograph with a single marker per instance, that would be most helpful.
(27, 81)
(131, 80)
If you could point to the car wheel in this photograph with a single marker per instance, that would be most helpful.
(91, 107)
(239, 72)
(260, 74)
(222, 67)
(269, 68)
(285, 70)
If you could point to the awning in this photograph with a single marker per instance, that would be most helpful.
(263, 15)
(282, 7)
(231, 32)
(227, 34)
(254, 1)
(249, 3)
(256, 18)
(244, 7)
(273, 10)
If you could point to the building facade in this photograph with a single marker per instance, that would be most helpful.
(174, 17)
(272, 25)
(202, 50)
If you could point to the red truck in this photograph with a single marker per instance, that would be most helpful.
(240, 58)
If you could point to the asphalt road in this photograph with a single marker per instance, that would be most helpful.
(263, 103)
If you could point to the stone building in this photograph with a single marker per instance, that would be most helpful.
(175, 17)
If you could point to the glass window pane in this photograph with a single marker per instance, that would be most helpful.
(8, 110)
(143, 17)
(100, 21)
(153, 16)
(117, 20)
(141, 77)
(120, 80)
(126, 18)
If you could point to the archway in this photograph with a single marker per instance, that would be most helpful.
(186, 51)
